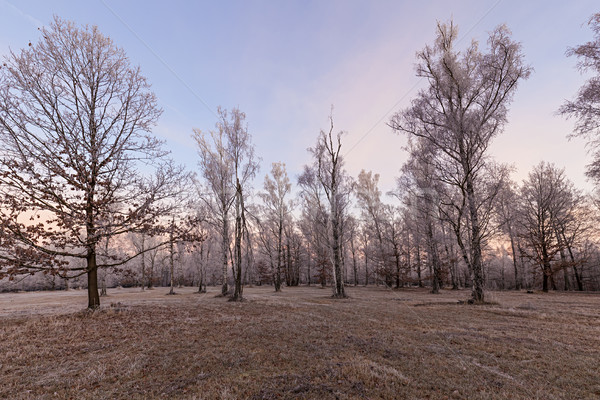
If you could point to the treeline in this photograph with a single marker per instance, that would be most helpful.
(90, 198)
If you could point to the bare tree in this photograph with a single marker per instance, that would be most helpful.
(585, 109)
(420, 189)
(546, 202)
(353, 232)
(507, 218)
(138, 240)
(276, 211)
(227, 165)
(462, 109)
(372, 210)
(201, 253)
(293, 252)
(216, 167)
(586, 106)
(329, 172)
(74, 124)
(245, 167)
(314, 225)
(392, 233)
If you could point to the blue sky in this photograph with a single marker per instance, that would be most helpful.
(285, 63)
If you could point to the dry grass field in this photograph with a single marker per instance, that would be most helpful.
(378, 344)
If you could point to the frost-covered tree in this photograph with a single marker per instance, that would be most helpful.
(419, 188)
(585, 108)
(463, 107)
(218, 190)
(227, 164)
(326, 185)
(75, 153)
(373, 215)
(313, 225)
(546, 202)
(276, 212)
(507, 216)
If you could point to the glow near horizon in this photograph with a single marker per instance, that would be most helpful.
(285, 63)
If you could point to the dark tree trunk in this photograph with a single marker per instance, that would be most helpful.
(92, 275)
(171, 262)
(308, 275)
(545, 281)
(578, 278)
(418, 264)
(366, 269)
(276, 277)
(514, 257)
(547, 272)
(408, 256)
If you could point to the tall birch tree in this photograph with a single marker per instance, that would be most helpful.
(277, 208)
(227, 164)
(463, 107)
(329, 172)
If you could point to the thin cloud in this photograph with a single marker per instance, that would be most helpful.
(31, 19)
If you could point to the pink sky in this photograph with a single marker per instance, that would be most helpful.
(286, 63)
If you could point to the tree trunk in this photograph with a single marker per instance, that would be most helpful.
(408, 258)
(476, 264)
(151, 277)
(143, 248)
(434, 262)
(103, 284)
(297, 250)
(201, 283)
(201, 269)
(397, 258)
(237, 290)
(547, 269)
(418, 249)
(274, 274)
(563, 259)
(545, 281)
(239, 221)
(224, 249)
(451, 260)
(92, 275)
(354, 265)
(279, 250)
(578, 278)
(337, 267)
(514, 257)
(171, 262)
(366, 269)
(288, 263)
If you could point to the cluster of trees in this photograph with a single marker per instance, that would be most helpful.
(86, 190)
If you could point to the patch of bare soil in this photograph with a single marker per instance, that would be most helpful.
(300, 343)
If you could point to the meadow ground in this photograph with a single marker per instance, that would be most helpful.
(300, 343)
